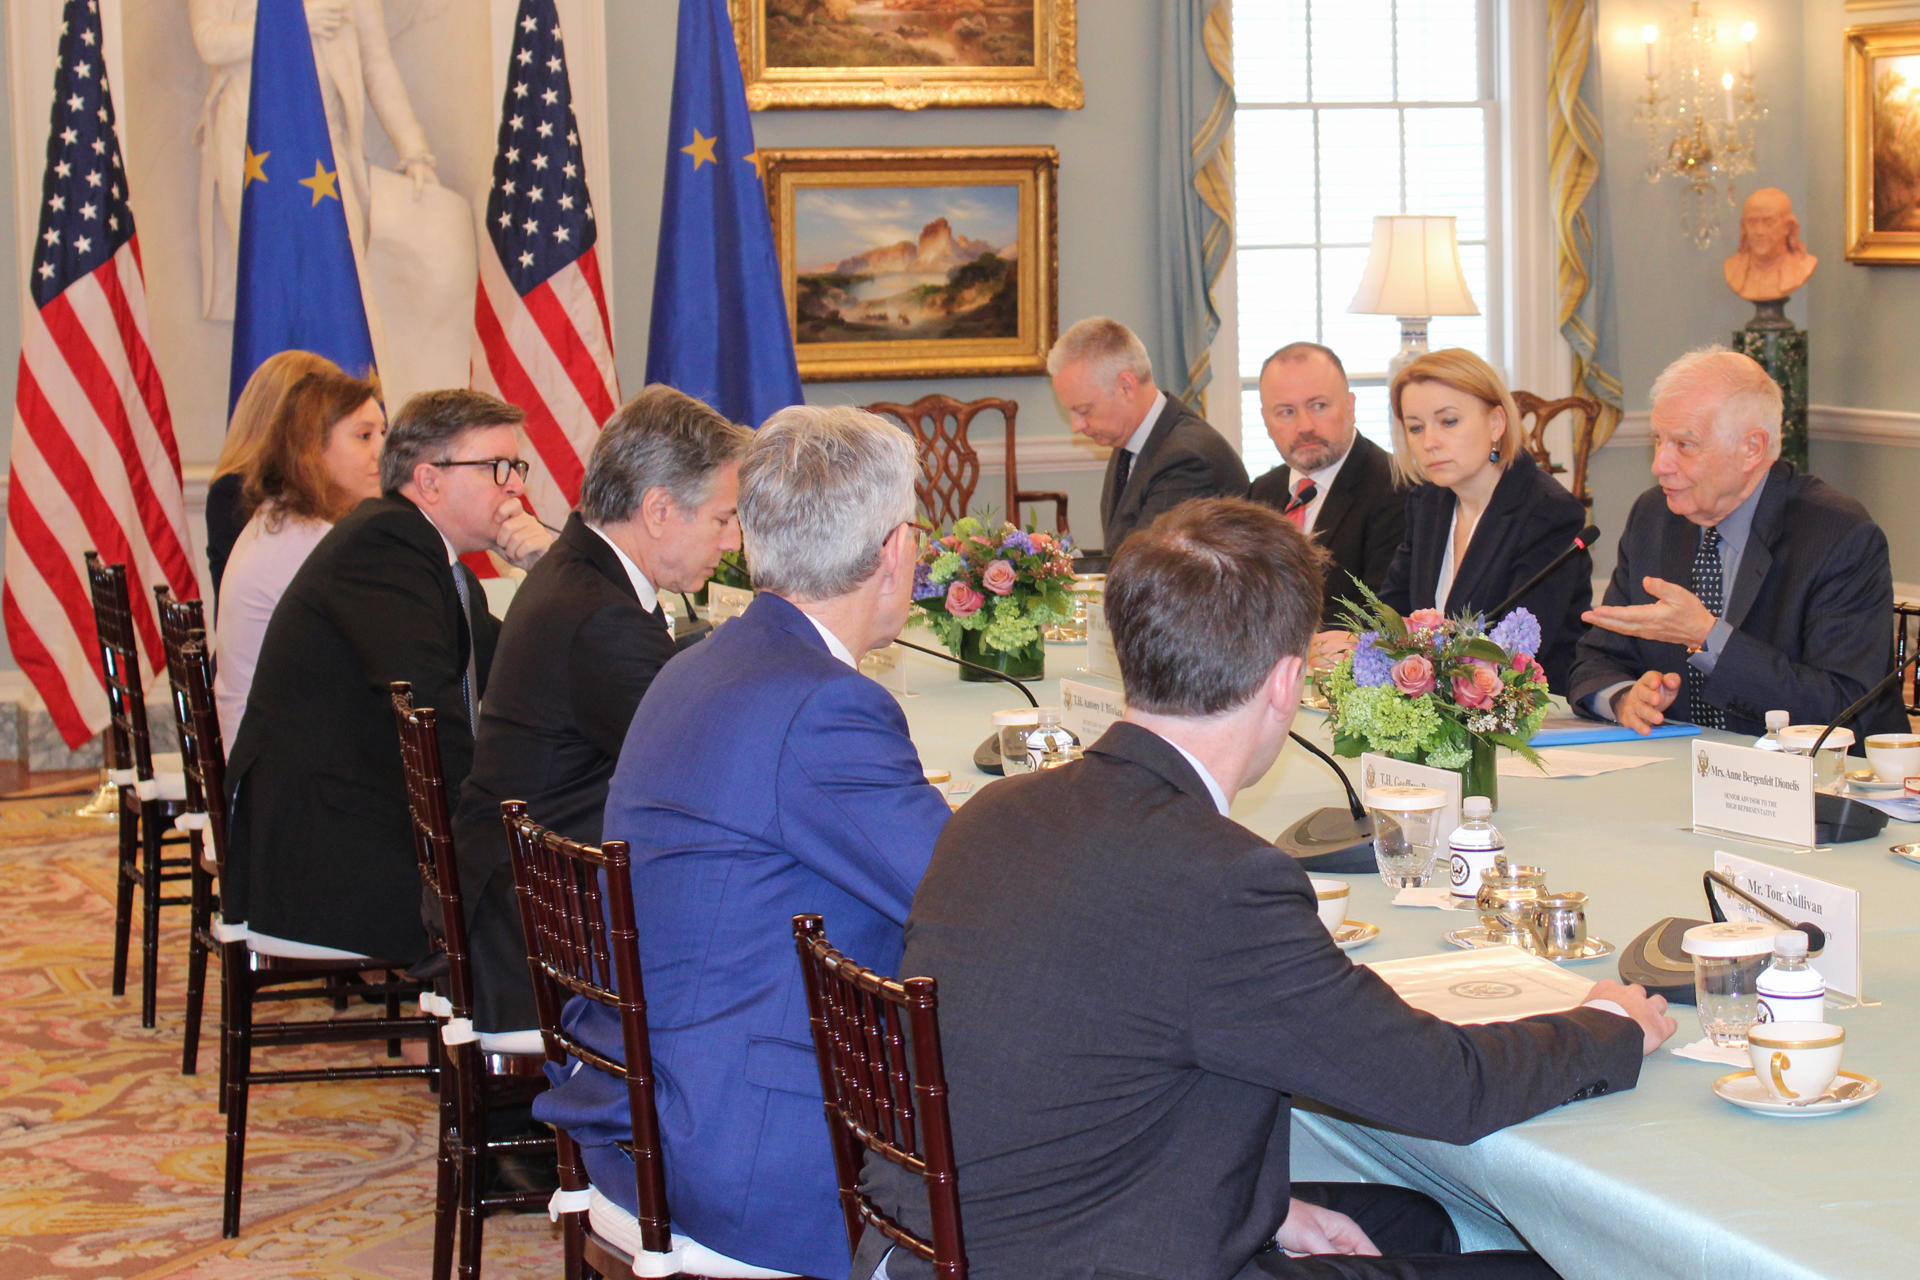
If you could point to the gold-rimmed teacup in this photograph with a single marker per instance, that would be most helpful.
(1796, 1061)
(1331, 902)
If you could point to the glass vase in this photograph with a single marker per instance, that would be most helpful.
(1029, 663)
(1481, 774)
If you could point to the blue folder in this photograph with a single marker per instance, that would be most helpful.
(1571, 731)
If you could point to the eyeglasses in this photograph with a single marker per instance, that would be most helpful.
(502, 467)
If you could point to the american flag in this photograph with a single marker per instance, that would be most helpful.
(541, 335)
(94, 461)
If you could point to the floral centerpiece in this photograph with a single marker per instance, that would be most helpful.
(1439, 691)
(987, 594)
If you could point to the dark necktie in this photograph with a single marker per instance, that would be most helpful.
(467, 678)
(1120, 474)
(1706, 583)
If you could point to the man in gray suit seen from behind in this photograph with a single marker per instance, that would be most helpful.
(1163, 452)
(1133, 986)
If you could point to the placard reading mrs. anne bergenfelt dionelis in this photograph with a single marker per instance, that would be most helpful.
(1762, 795)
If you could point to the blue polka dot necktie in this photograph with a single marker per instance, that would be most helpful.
(1706, 583)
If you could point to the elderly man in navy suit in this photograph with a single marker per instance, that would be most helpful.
(1742, 585)
(764, 776)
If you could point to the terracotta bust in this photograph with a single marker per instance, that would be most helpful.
(1771, 261)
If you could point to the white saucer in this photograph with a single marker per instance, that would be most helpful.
(1355, 933)
(1744, 1089)
(1867, 781)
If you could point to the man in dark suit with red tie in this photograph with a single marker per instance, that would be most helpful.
(321, 845)
(1163, 452)
(584, 640)
(1334, 483)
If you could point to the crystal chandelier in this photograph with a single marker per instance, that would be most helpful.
(1699, 115)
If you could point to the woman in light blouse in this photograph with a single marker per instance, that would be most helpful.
(318, 459)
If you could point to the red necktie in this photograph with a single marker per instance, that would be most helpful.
(1303, 495)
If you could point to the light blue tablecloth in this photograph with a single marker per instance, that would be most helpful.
(1666, 1179)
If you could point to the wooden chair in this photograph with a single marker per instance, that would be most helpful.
(576, 904)
(885, 1091)
(1543, 411)
(481, 1070)
(182, 623)
(257, 968)
(151, 789)
(1906, 634)
(950, 469)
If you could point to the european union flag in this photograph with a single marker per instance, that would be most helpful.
(297, 286)
(719, 330)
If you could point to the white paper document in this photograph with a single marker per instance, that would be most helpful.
(1495, 984)
(1564, 763)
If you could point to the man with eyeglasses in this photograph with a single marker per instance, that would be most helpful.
(320, 850)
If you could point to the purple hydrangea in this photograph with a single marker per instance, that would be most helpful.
(1518, 632)
(1371, 667)
(924, 587)
(1018, 541)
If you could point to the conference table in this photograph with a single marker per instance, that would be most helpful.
(1663, 1179)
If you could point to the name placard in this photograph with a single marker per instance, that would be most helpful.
(1385, 771)
(726, 602)
(1757, 795)
(1088, 711)
(1101, 658)
(888, 667)
(1804, 900)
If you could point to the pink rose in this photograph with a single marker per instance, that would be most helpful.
(1527, 669)
(1426, 620)
(999, 577)
(1476, 689)
(963, 601)
(1413, 675)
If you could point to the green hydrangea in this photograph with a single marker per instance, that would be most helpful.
(1449, 754)
(1384, 720)
(944, 566)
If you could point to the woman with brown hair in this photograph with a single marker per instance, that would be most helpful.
(318, 458)
(1482, 517)
(253, 413)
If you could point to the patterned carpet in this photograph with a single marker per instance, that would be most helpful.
(111, 1160)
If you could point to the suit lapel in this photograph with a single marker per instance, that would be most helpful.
(1488, 543)
(1756, 559)
(1678, 539)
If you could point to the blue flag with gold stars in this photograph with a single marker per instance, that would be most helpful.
(297, 286)
(719, 330)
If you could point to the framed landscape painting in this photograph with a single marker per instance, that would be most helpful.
(921, 262)
(908, 53)
(1883, 143)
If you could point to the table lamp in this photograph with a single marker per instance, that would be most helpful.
(1413, 272)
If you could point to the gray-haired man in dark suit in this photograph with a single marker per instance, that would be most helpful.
(1133, 986)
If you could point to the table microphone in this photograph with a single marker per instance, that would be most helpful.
(1331, 839)
(944, 656)
(1304, 498)
(1584, 541)
(1840, 819)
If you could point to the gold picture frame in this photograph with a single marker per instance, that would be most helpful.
(973, 59)
(1883, 168)
(917, 262)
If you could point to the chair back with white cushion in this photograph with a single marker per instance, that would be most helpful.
(576, 904)
(877, 1040)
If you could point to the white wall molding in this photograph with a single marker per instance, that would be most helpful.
(1830, 422)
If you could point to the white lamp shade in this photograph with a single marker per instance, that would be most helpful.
(1413, 269)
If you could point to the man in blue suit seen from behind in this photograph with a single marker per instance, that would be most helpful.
(764, 776)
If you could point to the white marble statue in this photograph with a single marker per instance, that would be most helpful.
(412, 238)
(1771, 261)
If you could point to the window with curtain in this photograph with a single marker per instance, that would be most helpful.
(1348, 109)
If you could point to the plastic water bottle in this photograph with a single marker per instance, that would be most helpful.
(1791, 990)
(1776, 721)
(1474, 844)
